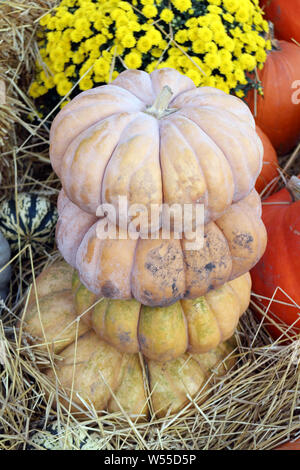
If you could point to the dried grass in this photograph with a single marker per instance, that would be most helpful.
(256, 406)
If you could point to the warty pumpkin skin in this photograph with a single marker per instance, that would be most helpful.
(102, 376)
(165, 333)
(126, 139)
(279, 267)
(278, 112)
(159, 272)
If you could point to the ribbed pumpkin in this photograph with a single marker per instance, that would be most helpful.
(270, 163)
(164, 333)
(31, 218)
(285, 15)
(278, 270)
(102, 376)
(278, 112)
(155, 138)
(158, 272)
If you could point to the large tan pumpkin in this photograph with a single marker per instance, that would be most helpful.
(98, 374)
(160, 272)
(156, 139)
(164, 333)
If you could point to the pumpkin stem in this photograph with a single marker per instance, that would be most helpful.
(160, 108)
(294, 187)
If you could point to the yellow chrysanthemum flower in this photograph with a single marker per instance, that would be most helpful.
(150, 11)
(86, 84)
(194, 75)
(181, 36)
(231, 5)
(215, 2)
(182, 5)
(63, 87)
(212, 60)
(128, 41)
(167, 15)
(133, 60)
(215, 43)
(144, 44)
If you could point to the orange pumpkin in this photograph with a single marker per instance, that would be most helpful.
(270, 163)
(278, 111)
(295, 445)
(93, 374)
(155, 138)
(285, 15)
(278, 270)
(159, 272)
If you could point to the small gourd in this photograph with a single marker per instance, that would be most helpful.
(29, 219)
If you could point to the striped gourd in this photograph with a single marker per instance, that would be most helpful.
(29, 219)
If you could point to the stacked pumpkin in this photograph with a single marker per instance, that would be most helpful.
(155, 140)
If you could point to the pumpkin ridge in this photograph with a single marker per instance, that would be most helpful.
(132, 95)
(65, 113)
(174, 97)
(256, 225)
(88, 131)
(141, 163)
(228, 160)
(211, 139)
(126, 140)
(159, 73)
(138, 328)
(102, 89)
(146, 84)
(216, 319)
(109, 159)
(73, 212)
(184, 270)
(192, 149)
(57, 166)
(103, 326)
(210, 249)
(132, 268)
(234, 112)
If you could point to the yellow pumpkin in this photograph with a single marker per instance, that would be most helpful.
(156, 138)
(93, 372)
(164, 333)
(159, 272)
